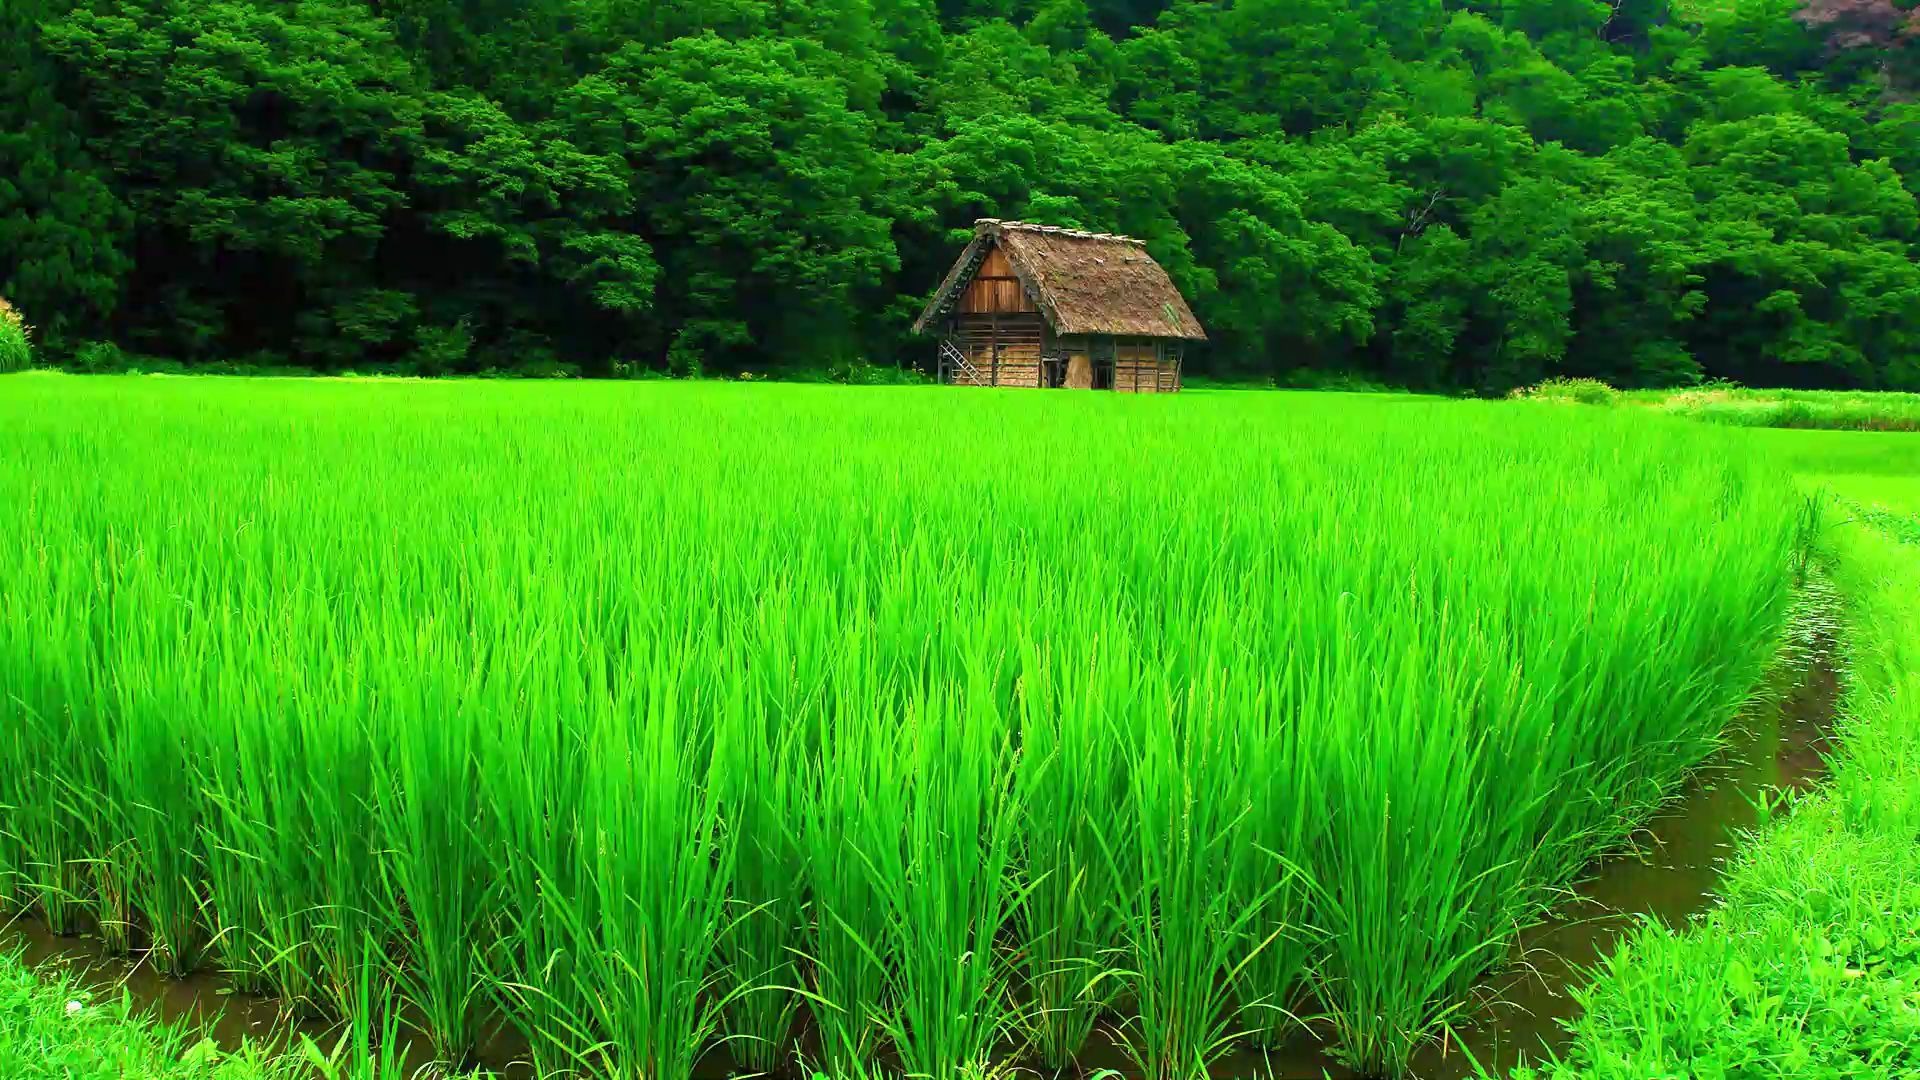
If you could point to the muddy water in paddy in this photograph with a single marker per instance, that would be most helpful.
(1671, 875)
(203, 1000)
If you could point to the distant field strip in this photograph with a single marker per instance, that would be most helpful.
(1837, 410)
(915, 731)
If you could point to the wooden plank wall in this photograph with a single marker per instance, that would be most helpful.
(1136, 367)
(1021, 339)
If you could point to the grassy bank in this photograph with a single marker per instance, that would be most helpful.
(53, 1029)
(1811, 967)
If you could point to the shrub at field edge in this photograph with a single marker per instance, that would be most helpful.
(16, 350)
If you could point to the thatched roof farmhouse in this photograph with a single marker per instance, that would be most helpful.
(1040, 306)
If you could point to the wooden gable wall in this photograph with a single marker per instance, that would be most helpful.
(995, 289)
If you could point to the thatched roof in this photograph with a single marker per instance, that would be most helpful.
(1083, 282)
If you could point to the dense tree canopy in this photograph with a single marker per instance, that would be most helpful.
(1438, 193)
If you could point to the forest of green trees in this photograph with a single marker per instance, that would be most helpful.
(1431, 193)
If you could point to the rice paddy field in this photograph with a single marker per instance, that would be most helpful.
(910, 732)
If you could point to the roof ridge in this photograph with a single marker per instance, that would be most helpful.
(1054, 230)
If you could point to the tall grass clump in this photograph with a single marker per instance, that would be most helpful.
(928, 733)
(1577, 391)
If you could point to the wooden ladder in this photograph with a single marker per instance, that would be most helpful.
(952, 359)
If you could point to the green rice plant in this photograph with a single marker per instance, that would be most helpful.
(294, 856)
(1070, 778)
(428, 806)
(1186, 926)
(48, 770)
(17, 792)
(1284, 828)
(237, 941)
(13, 861)
(1498, 757)
(532, 770)
(58, 826)
(51, 826)
(950, 1004)
(853, 838)
(350, 853)
(263, 872)
(758, 770)
(154, 869)
(147, 755)
(655, 862)
(371, 1046)
(30, 649)
(113, 877)
(238, 847)
(1398, 866)
(14, 789)
(106, 793)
